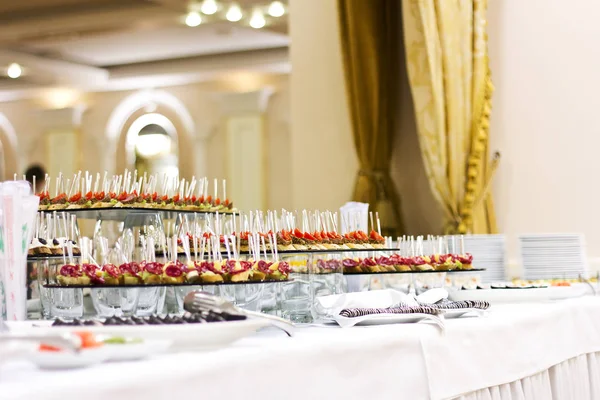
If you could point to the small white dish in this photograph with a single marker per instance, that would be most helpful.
(67, 359)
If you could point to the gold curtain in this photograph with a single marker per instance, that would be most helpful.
(449, 73)
(370, 45)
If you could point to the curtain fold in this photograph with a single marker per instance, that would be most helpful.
(450, 80)
(370, 46)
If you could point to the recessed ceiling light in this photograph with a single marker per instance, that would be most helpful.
(193, 19)
(258, 20)
(209, 7)
(14, 71)
(234, 13)
(276, 9)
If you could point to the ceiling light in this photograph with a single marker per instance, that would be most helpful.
(276, 9)
(234, 13)
(209, 7)
(258, 20)
(193, 19)
(14, 71)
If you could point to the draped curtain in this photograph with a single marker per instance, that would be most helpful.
(370, 46)
(449, 74)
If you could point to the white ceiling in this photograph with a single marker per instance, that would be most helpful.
(160, 44)
(111, 43)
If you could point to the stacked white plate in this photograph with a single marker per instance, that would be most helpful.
(488, 252)
(550, 256)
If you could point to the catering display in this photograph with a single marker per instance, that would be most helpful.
(176, 236)
(130, 191)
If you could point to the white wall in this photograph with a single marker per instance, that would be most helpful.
(31, 122)
(324, 163)
(545, 64)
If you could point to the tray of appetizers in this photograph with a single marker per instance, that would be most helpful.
(201, 331)
(152, 273)
(395, 264)
(126, 191)
(509, 293)
(417, 271)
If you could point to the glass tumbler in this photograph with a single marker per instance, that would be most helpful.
(115, 302)
(151, 301)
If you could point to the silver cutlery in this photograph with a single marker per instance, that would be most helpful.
(197, 301)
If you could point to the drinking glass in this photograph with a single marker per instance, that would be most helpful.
(151, 301)
(65, 303)
(246, 296)
(42, 281)
(270, 301)
(326, 278)
(426, 281)
(115, 302)
(295, 294)
(182, 291)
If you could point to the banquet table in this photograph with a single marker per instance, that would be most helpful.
(517, 351)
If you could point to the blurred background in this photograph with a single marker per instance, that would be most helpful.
(253, 91)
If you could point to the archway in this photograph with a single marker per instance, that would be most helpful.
(135, 107)
(152, 139)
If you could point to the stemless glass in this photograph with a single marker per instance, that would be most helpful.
(151, 301)
(43, 280)
(115, 302)
(182, 291)
(326, 278)
(246, 296)
(430, 280)
(295, 295)
(65, 303)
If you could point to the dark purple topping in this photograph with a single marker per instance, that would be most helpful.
(230, 267)
(284, 267)
(55, 242)
(187, 318)
(174, 270)
(384, 260)
(112, 270)
(465, 259)
(368, 262)
(328, 264)
(349, 262)
(263, 266)
(416, 261)
(153, 268)
(70, 270)
(91, 270)
(42, 241)
(131, 268)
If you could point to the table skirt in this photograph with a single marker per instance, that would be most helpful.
(575, 379)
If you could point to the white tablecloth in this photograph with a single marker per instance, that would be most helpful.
(527, 351)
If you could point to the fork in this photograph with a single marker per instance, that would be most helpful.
(197, 300)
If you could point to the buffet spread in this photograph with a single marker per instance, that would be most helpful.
(187, 267)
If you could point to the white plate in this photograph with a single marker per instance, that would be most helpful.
(459, 312)
(384, 319)
(186, 336)
(67, 359)
(494, 296)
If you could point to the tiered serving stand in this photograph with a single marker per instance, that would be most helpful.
(314, 273)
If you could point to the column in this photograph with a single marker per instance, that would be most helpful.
(62, 139)
(246, 164)
(324, 162)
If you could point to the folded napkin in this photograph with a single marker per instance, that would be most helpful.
(350, 309)
(402, 309)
